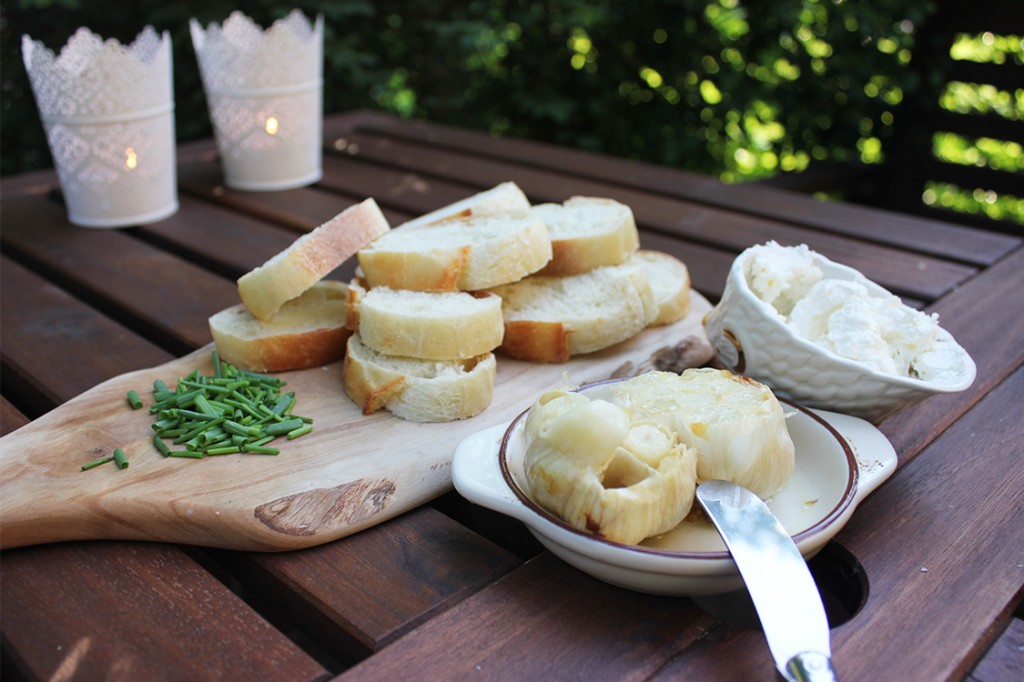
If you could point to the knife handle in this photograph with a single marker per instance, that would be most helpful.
(810, 666)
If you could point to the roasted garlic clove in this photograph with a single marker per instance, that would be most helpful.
(590, 464)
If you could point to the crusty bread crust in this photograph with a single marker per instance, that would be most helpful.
(548, 319)
(417, 390)
(426, 325)
(588, 233)
(536, 341)
(501, 198)
(670, 282)
(311, 257)
(308, 331)
(460, 254)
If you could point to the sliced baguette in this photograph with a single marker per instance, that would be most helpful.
(670, 282)
(461, 254)
(310, 258)
(503, 198)
(417, 390)
(588, 233)
(452, 325)
(549, 319)
(307, 331)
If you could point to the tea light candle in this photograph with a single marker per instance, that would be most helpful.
(265, 91)
(108, 115)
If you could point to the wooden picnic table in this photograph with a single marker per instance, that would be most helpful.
(927, 578)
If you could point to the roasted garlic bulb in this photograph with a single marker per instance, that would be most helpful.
(626, 468)
(597, 469)
(736, 424)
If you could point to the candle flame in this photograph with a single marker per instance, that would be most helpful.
(271, 126)
(131, 159)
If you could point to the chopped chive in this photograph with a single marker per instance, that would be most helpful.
(284, 404)
(134, 400)
(226, 450)
(186, 399)
(96, 462)
(284, 427)
(260, 449)
(204, 406)
(119, 457)
(192, 414)
(160, 445)
(232, 410)
(301, 431)
(240, 430)
(214, 435)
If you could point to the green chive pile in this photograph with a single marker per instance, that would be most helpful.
(232, 411)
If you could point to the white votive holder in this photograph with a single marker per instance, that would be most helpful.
(265, 93)
(108, 113)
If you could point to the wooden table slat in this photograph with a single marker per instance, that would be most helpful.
(914, 274)
(935, 594)
(164, 294)
(545, 620)
(114, 610)
(356, 596)
(986, 316)
(905, 231)
(44, 330)
(301, 210)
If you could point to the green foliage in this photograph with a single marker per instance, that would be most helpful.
(733, 88)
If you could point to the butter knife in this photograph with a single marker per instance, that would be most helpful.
(776, 575)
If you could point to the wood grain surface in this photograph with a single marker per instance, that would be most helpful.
(352, 472)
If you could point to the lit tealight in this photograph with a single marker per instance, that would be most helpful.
(131, 159)
(271, 126)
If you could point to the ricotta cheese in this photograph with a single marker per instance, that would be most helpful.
(846, 318)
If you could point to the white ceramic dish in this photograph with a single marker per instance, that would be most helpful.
(839, 460)
(752, 339)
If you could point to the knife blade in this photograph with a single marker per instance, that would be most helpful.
(776, 575)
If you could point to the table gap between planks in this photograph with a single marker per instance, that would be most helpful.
(451, 590)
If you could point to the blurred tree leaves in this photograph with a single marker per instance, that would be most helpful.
(724, 87)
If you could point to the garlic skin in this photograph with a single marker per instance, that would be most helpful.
(600, 471)
(735, 424)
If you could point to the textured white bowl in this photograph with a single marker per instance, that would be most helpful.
(752, 339)
(839, 460)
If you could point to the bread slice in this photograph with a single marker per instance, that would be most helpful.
(549, 319)
(310, 258)
(307, 331)
(461, 254)
(452, 325)
(417, 390)
(503, 198)
(670, 281)
(588, 233)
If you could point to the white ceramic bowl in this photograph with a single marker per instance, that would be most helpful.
(752, 339)
(839, 460)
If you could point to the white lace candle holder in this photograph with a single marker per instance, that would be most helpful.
(265, 93)
(108, 113)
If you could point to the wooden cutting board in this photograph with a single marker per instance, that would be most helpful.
(351, 472)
